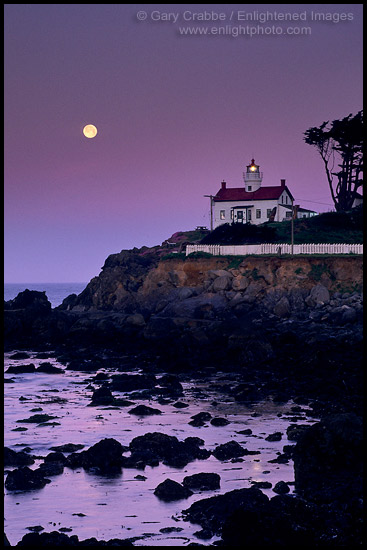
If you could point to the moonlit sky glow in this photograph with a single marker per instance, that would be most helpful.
(175, 116)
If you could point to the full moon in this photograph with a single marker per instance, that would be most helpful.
(90, 131)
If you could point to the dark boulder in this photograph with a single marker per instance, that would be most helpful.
(228, 450)
(167, 449)
(106, 455)
(143, 410)
(32, 300)
(48, 368)
(55, 457)
(21, 369)
(20, 355)
(131, 382)
(276, 436)
(212, 512)
(199, 419)
(294, 431)
(170, 385)
(170, 490)
(328, 458)
(37, 419)
(55, 538)
(219, 421)
(281, 488)
(282, 522)
(51, 468)
(25, 479)
(13, 458)
(67, 447)
(203, 481)
(102, 396)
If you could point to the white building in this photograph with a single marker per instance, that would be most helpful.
(253, 203)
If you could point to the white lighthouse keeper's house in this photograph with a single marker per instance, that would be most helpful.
(253, 203)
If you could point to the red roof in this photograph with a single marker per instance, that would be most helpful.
(239, 194)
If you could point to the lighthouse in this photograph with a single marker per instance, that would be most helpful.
(252, 177)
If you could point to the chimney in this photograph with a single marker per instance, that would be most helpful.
(223, 185)
(282, 183)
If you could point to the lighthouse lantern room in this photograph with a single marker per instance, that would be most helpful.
(252, 177)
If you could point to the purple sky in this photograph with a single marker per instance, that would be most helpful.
(175, 115)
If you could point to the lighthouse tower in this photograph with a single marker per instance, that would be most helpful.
(252, 177)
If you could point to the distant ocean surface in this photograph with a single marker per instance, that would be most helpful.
(55, 292)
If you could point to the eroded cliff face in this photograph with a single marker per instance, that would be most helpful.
(131, 282)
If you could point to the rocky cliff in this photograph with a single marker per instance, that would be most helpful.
(133, 282)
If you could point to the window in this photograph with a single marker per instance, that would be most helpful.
(268, 212)
(222, 214)
(258, 213)
(249, 187)
(232, 213)
(288, 214)
(249, 215)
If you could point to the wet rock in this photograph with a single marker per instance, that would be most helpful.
(20, 355)
(100, 377)
(37, 418)
(203, 534)
(171, 385)
(102, 396)
(280, 459)
(131, 382)
(55, 538)
(200, 419)
(281, 488)
(203, 481)
(36, 302)
(51, 468)
(328, 458)
(55, 457)
(48, 368)
(25, 479)
(282, 522)
(170, 529)
(161, 447)
(21, 369)
(261, 484)
(218, 421)
(247, 392)
(144, 410)
(212, 512)
(170, 490)
(36, 528)
(276, 436)
(294, 431)
(67, 447)
(13, 458)
(180, 405)
(106, 455)
(228, 450)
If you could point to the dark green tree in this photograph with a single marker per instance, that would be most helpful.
(340, 146)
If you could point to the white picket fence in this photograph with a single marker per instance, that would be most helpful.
(266, 248)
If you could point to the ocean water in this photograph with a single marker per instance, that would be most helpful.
(124, 505)
(55, 292)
